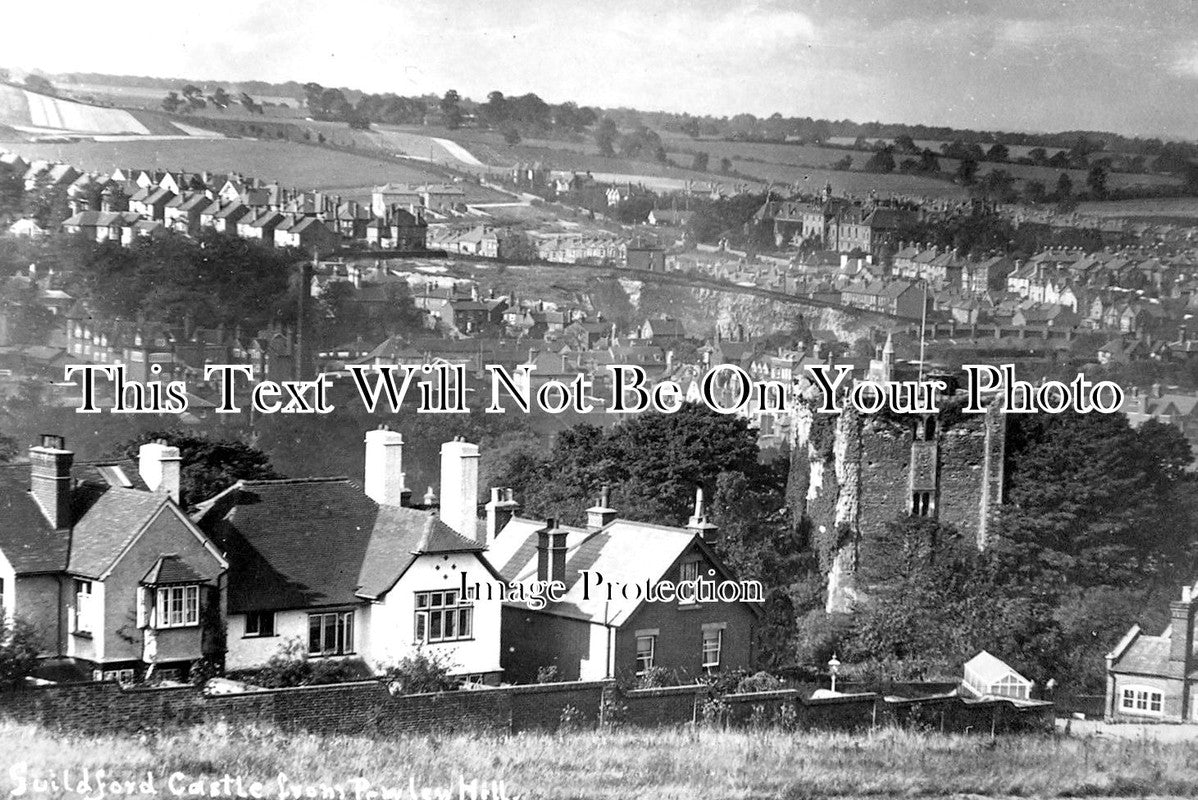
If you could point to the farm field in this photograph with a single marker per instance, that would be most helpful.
(627, 763)
(151, 97)
(37, 113)
(760, 158)
(291, 164)
(1164, 207)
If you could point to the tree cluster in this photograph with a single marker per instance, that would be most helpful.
(1096, 534)
(216, 277)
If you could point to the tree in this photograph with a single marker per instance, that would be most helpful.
(171, 103)
(194, 97)
(1096, 181)
(699, 164)
(208, 466)
(652, 462)
(843, 164)
(40, 84)
(881, 161)
(725, 166)
(8, 449)
(511, 136)
(1034, 191)
(451, 109)
(690, 127)
(220, 98)
(19, 648)
(967, 171)
(605, 137)
(998, 152)
(1064, 190)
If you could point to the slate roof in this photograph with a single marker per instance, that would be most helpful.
(1147, 655)
(108, 527)
(317, 542)
(170, 569)
(635, 551)
(27, 539)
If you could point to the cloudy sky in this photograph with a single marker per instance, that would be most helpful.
(1124, 65)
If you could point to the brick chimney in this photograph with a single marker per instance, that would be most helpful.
(159, 466)
(500, 509)
(50, 479)
(1181, 642)
(699, 523)
(601, 514)
(551, 552)
(459, 487)
(385, 482)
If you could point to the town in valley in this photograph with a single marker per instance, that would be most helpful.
(647, 417)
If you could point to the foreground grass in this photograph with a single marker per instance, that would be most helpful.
(631, 763)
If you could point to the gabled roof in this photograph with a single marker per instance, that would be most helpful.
(991, 669)
(106, 530)
(170, 569)
(1145, 655)
(26, 537)
(635, 551)
(317, 542)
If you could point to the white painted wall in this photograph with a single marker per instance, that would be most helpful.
(9, 597)
(393, 619)
(384, 630)
(595, 668)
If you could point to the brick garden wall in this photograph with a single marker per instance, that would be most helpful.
(368, 708)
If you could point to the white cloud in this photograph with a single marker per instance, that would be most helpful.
(1186, 63)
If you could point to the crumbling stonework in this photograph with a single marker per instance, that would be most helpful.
(862, 472)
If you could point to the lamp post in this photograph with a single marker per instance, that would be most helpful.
(834, 668)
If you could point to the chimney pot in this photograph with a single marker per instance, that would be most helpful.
(385, 481)
(459, 486)
(50, 479)
(160, 467)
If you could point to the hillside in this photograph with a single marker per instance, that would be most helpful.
(39, 114)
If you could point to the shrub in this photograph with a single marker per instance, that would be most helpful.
(421, 673)
(714, 712)
(570, 720)
(654, 677)
(339, 671)
(289, 666)
(203, 671)
(612, 712)
(758, 682)
(19, 646)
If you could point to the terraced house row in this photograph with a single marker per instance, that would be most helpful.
(128, 204)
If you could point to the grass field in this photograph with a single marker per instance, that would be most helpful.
(628, 763)
(291, 164)
(791, 163)
(1162, 208)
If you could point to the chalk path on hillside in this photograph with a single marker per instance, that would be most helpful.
(458, 152)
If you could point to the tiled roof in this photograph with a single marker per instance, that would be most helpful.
(26, 538)
(106, 529)
(635, 551)
(317, 542)
(1147, 655)
(170, 569)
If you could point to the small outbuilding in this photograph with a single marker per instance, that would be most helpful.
(989, 676)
